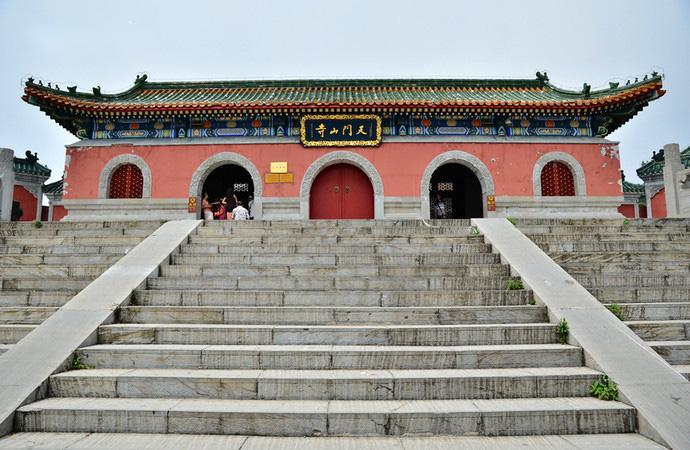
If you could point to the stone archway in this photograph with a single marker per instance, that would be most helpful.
(220, 159)
(457, 157)
(567, 159)
(119, 160)
(338, 157)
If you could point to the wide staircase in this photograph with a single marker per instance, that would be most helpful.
(43, 268)
(328, 329)
(640, 269)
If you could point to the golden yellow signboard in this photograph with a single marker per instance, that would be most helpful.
(340, 130)
(279, 167)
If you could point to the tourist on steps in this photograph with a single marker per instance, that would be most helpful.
(222, 213)
(240, 212)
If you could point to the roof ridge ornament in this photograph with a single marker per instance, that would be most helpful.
(140, 79)
(543, 77)
(586, 88)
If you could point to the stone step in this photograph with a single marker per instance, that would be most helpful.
(5, 347)
(29, 226)
(621, 246)
(620, 257)
(46, 284)
(52, 271)
(58, 260)
(602, 228)
(332, 260)
(656, 311)
(309, 239)
(425, 335)
(47, 232)
(661, 330)
(328, 357)
(210, 297)
(674, 352)
(25, 315)
(661, 267)
(138, 441)
(641, 294)
(230, 270)
(111, 250)
(35, 298)
(610, 237)
(336, 417)
(636, 279)
(355, 226)
(326, 384)
(12, 333)
(323, 283)
(336, 249)
(77, 241)
(294, 315)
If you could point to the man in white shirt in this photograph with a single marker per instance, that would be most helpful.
(240, 212)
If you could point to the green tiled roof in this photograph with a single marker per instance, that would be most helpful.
(30, 167)
(285, 93)
(54, 187)
(629, 187)
(656, 165)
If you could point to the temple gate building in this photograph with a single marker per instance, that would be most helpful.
(359, 149)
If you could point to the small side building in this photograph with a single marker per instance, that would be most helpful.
(634, 204)
(22, 188)
(652, 173)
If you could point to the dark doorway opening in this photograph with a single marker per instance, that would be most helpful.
(227, 180)
(459, 190)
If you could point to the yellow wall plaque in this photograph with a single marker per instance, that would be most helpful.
(279, 167)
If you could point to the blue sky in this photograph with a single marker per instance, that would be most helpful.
(108, 43)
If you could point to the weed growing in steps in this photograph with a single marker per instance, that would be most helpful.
(616, 310)
(514, 284)
(562, 331)
(604, 389)
(78, 365)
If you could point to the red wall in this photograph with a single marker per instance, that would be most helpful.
(627, 210)
(59, 212)
(27, 201)
(400, 164)
(659, 204)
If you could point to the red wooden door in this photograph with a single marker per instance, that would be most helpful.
(341, 191)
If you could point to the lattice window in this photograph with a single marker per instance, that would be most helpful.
(127, 181)
(557, 180)
(445, 186)
(241, 187)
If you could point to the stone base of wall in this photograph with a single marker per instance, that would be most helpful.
(289, 208)
(558, 207)
(126, 209)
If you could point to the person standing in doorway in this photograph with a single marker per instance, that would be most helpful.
(240, 212)
(439, 208)
(206, 207)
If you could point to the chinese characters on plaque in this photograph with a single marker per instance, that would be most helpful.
(340, 130)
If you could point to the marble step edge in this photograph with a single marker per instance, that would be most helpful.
(325, 384)
(300, 356)
(333, 417)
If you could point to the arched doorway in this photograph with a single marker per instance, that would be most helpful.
(460, 191)
(341, 191)
(229, 179)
